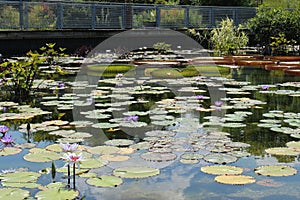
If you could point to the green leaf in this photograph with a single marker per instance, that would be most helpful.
(222, 170)
(54, 193)
(135, 172)
(105, 181)
(13, 193)
(275, 170)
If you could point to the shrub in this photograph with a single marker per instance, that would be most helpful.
(228, 39)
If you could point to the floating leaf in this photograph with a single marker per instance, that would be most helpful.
(20, 177)
(136, 172)
(21, 185)
(222, 170)
(119, 142)
(220, 158)
(9, 151)
(282, 151)
(275, 170)
(105, 125)
(234, 125)
(235, 179)
(293, 144)
(93, 163)
(41, 155)
(57, 193)
(105, 181)
(13, 193)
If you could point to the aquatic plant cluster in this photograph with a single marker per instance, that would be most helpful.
(126, 127)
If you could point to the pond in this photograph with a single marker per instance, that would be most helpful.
(155, 131)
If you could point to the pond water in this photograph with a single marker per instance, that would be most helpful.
(180, 122)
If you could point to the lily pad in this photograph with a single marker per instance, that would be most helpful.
(235, 179)
(222, 170)
(220, 158)
(57, 193)
(93, 163)
(136, 172)
(119, 142)
(41, 155)
(275, 170)
(105, 181)
(20, 177)
(13, 193)
(9, 151)
(282, 151)
(293, 144)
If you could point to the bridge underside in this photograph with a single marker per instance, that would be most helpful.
(17, 43)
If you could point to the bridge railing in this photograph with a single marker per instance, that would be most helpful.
(65, 15)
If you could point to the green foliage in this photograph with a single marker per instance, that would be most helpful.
(9, 16)
(162, 47)
(18, 76)
(271, 22)
(280, 45)
(42, 16)
(228, 39)
(282, 3)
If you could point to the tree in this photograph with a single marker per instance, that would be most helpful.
(273, 23)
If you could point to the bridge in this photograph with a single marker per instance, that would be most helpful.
(28, 25)
(22, 15)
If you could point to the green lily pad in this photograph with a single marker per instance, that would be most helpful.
(141, 146)
(21, 185)
(275, 170)
(41, 155)
(105, 181)
(235, 179)
(13, 193)
(20, 177)
(105, 125)
(282, 151)
(233, 125)
(191, 156)
(9, 151)
(93, 163)
(222, 170)
(220, 158)
(136, 172)
(267, 125)
(293, 144)
(119, 142)
(57, 193)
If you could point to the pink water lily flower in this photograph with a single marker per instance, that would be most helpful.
(218, 103)
(72, 158)
(119, 75)
(7, 140)
(199, 97)
(67, 147)
(133, 118)
(3, 129)
(264, 87)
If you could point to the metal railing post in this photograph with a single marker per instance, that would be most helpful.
(212, 23)
(157, 10)
(21, 15)
(187, 17)
(93, 20)
(26, 16)
(59, 23)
